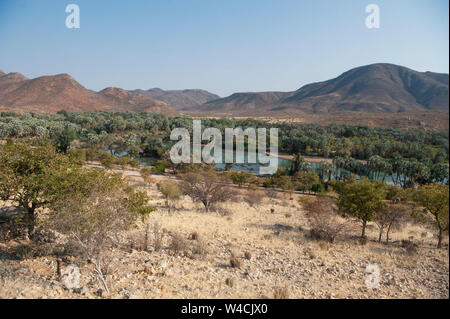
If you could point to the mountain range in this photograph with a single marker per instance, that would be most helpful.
(375, 88)
(180, 99)
(62, 92)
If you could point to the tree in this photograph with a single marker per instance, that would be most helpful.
(207, 187)
(305, 180)
(124, 161)
(99, 206)
(171, 192)
(107, 160)
(391, 217)
(240, 177)
(434, 200)
(299, 165)
(323, 219)
(33, 177)
(63, 140)
(361, 200)
(325, 170)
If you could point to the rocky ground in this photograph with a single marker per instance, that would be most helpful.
(273, 257)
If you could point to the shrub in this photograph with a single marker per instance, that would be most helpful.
(229, 282)
(92, 154)
(124, 161)
(199, 249)
(247, 255)
(178, 244)
(317, 188)
(77, 155)
(281, 293)
(146, 174)
(171, 192)
(323, 219)
(160, 167)
(235, 262)
(107, 160)
(253, 198)
(99, 206)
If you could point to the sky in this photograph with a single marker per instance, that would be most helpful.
(223, 46)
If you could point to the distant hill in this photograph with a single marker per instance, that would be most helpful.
(62, 92)
(180, 99)
(373, 88)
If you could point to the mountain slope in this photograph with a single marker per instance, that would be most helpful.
(373, 88)
(239, 102)
(62, 92)
(180, 99)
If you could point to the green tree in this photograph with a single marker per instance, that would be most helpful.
(63, 140)
(33, 177)
(434, 200)
(361, 200)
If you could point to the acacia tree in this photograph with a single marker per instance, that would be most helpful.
(33, 177)
(434, 200)
(207, 187)
(391, 217)
(99, 206)
(361, 200)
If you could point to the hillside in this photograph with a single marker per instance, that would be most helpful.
(63, 92)
(373, 88)
(180, 99)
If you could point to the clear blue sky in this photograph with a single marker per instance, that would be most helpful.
(223, 46)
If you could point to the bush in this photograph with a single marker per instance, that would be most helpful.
(235, 262)
(77, 155)
(107, 160)
(323, 219)
(146, 174)
(317, 188)
(124, 161)
(281, 293)
(178, 244)
(92, 154)
(160, 167)
(171, 192)
(253, 198)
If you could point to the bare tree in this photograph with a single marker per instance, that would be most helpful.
(207, 187)
(390, 218)
(323, 218)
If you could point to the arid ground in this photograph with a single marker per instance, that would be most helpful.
(275, 258)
